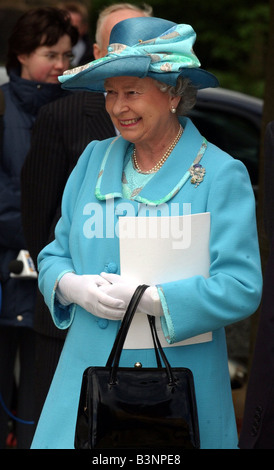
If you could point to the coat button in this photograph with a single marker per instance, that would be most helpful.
(19, 317)
(112, 268)
(103, 323)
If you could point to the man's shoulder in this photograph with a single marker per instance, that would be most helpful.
(73, 103)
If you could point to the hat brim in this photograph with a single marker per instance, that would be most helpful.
(93, 77)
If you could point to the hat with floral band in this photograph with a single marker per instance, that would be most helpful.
(143, 47)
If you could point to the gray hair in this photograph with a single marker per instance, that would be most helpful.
(183, 88)
(145, 9)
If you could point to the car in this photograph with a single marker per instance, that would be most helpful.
(232, 121)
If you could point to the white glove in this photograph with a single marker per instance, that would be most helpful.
(86, 291)
(119, 288)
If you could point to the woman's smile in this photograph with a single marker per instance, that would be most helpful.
(129, 122)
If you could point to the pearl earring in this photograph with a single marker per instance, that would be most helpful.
(173, 110)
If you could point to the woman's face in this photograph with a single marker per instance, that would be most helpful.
(138, 109)
(46, 63)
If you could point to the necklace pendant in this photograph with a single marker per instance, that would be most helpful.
(197, 174)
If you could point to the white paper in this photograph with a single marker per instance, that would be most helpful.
(155, 250)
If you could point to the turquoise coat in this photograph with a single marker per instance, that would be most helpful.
(92, 203)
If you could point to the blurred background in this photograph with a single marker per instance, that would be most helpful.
(232, 36)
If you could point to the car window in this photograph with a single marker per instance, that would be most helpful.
(234, 134)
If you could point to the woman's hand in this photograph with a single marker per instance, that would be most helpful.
(86, 291)
(120, 289)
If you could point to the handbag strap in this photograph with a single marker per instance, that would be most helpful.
(116, 351)
(121, 335)
(123, 330)
(151, 322)
(157, 344)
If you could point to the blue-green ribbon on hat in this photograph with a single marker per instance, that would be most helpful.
(169, 52)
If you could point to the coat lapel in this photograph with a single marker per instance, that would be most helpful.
(166, 182)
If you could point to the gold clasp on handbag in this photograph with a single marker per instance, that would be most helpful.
(138, 365)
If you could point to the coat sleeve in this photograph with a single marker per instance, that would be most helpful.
(232, 292)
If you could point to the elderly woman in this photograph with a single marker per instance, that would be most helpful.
(150, 76)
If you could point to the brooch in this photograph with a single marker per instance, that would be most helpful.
(197, 174)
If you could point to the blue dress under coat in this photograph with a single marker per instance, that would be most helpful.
(192, 306)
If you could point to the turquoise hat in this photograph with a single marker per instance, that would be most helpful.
(143, 47)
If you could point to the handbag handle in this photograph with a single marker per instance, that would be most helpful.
(123, 330)
(114, 357)
(121, 335)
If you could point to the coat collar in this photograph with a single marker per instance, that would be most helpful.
(166, 182)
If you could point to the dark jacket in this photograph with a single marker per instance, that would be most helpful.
(61, 132)
(258, 421)
(23, 99)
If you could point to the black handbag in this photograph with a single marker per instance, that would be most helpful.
(135, 407)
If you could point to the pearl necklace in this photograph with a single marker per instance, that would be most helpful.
(162, 160)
